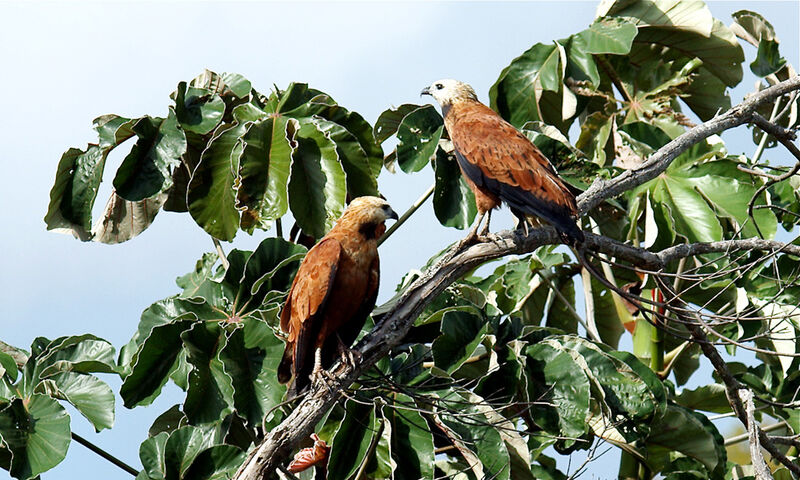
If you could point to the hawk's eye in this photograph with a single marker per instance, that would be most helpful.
(439, 86)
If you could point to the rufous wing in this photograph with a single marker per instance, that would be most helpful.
(302, 313)
(497, 157)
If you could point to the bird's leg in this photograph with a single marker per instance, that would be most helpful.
(349, 356)
(485, 230)
(472, 236)
(318, 374)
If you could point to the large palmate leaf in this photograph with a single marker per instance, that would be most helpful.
(147, 170)
(573, 371)
(264, 169)
(698, 196)
(519, 92)
(353, 438)
(34, 427)
(673, 30)
(188, 453)
(412, 441)
(212, 196)
(462, 331)
(317, 187)
(227, 154)
(479, 441)
(688, 433)
(212, 340)
(36, 433)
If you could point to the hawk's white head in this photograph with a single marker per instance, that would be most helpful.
(447, 91)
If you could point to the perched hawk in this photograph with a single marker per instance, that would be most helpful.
(333, 292)
(500, 164)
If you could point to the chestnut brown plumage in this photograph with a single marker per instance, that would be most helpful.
(500, 164)
(333, 292)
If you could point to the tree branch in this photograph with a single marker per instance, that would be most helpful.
(733, 387)
(601, 190)
(395, 324)
(392, 328)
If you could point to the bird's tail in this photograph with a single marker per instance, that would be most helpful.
(285, 367)
(566, 226)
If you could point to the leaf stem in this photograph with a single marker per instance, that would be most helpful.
(612, 74)
(413, 208)
(745, 436)
(222, 257)
(763, 142)
(104, 454)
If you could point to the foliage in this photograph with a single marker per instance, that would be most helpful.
(499, 371)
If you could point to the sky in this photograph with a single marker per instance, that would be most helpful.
(66, 63)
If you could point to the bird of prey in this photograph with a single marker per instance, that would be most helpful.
(333, 292)
(500, 164)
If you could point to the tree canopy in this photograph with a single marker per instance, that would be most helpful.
(467, 372)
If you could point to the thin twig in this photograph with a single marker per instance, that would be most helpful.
(104, 454)
(413, 208)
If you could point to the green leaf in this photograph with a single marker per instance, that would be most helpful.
(361, 172)
(75, 190)
(517, 93)
(252, 368)
(580, 63)
(181, 449)
(418, 138)
(352, 440)
(568, 394)
(389, 121)
(8, 366)
(461, 333)
(709, 398)
(595, 131)
(264, 168)
(113, 130)
(412, 441)
(453, 201)
(80, 353)
(209, 395)
(198, 110)
(168, 422)
(768, 59)
(317, 188)
(36, 431)
(147, 170)
(239, 85)
(360, 154)
(219, 462)
(608, 35)
(152, 363)
(211, 196)
(271, 268)
(688, 433)
(477, 440)
(90, 395)
(151, 453)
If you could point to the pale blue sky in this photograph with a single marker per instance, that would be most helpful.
(66, 63)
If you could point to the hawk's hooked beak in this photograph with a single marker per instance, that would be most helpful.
(391, 214)
(425, 91)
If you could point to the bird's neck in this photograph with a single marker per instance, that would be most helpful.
(446, 109)
(454, 108)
